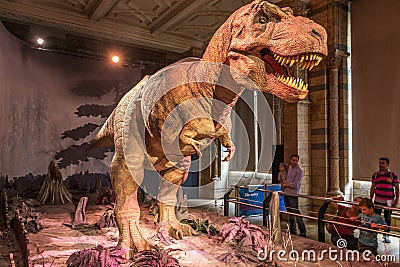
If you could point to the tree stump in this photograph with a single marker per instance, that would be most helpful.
(53, 189)
(80, 212)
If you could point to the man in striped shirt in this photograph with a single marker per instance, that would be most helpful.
(385, 187)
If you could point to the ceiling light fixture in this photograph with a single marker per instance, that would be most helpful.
(115, 59)
(40, 41)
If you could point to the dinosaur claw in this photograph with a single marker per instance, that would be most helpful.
(177, 234)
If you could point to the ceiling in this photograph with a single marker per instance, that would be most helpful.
(176, 26)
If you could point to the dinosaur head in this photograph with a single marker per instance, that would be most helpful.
(262, 40)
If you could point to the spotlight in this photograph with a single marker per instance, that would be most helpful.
(40, 41)
(115, 59)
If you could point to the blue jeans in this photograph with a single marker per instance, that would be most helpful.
(387, 214)
(292, 205)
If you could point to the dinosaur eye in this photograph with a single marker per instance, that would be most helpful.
(262, 20)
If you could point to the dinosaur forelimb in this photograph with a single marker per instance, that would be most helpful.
(186, 138)
(231, 151)
(226, 142)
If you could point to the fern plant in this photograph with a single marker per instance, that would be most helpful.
(97, 256)
(247, 239)
(244, 234)
(155, 258)
(202, 225)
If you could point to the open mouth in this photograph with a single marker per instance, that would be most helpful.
(278, 66)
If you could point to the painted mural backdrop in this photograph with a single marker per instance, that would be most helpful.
(52, 105)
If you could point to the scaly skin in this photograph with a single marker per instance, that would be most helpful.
(258, 40)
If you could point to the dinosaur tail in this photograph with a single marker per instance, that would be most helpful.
(105, 136)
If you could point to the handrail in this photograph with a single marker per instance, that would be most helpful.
(22, 237)
(321, 213)
(315, 197)
(4, 207)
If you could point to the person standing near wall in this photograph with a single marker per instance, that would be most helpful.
(292, 186)
(385, 188)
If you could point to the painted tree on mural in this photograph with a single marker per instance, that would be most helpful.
(93, 89)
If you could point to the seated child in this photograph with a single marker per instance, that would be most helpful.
(343, 215)
(369, 240)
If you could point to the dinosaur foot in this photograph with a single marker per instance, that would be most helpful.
(132, 239)
(168, 222)
(178, 230)
(162, 235)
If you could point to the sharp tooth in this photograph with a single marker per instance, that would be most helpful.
(292, 62)
(306, 87)
(287, 60)
(302, 58)
(306, 57)
(290, 83)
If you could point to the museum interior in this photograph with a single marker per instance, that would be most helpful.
(199, 133)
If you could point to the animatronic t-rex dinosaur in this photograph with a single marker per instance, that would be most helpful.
(259, 40)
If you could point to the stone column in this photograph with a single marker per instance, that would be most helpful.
(334, 62)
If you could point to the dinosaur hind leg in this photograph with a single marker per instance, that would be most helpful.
(169, 185)
(127, 210)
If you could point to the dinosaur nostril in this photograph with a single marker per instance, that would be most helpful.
(315, 32)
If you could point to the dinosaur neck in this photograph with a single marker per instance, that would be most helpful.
(218, 47)
(229, 99)
(227, 96)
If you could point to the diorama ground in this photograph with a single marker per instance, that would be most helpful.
(53, 245)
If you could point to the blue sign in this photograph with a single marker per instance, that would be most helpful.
(251, 196)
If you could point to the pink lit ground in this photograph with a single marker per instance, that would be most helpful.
(53, 245)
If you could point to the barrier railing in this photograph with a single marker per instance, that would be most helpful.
(321, 220)
(4, 208)
(22, 237)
